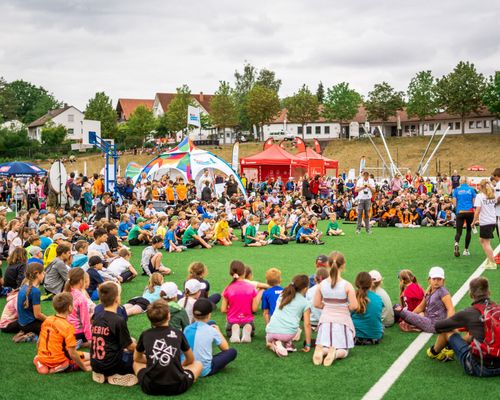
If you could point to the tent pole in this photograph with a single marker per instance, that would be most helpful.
(377, 150)
(424, 168)
(393, 167)
(420, 164)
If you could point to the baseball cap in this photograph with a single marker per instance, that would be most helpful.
(322, 258)
(203, 307)
(140, 219)
(436, 272)
(193, 286)
(170, 289)
(58, 236)
(376, 276)
(35, 250)
(83, 227)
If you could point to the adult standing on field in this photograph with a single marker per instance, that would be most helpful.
(496, 177)
(463, 202)
(365, 187)
(485, 213)
(455, 180)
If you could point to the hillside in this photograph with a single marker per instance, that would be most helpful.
(457, 152)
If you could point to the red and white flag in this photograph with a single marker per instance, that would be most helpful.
(300, 145)
(268, 143)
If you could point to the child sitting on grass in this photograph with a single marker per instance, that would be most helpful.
(198, 270)
(320, 276)
(95, 278)
(239, 301)
(157, 359)
(151, 259)
(112, 346)
(8, 321)
(201, 335)
(367, 317)
(411, 295)
(178, 316)
(292, 306)
(387, 311)
(270, 296)
(139, 304)
(79, 317)
(252, 238)
(57, 344)
(333, 229)
(170, 242)
(192, 292)
(121, 268)
(306, 234)
(249, 279)
(277, 232)
(191, 238)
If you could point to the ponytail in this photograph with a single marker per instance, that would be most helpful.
(405, 278)
(299, 282)
(336, 260)
(363, 284)
(32, 271)
(75, 275)
(236, 270)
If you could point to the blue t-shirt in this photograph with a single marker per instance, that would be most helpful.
(465, 196)
(45, 242)
(152, 297)
(200, 337)
(25, 315)
(369, 324)
(95, 280)
(79, 260)
(269, 298)
(123, 229)
(169, 236)
(287, 320)
(303, 231)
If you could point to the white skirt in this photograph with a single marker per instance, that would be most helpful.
(331, 334)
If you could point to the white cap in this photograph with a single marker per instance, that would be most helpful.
(58, 236)
(436, 272)
(170, 290)
(193, 286)
(376, 276)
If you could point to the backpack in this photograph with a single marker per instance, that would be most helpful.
(490, 346)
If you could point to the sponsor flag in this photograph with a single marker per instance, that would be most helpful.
(317, 146)
(300, 145)
(235, 158)
(193, 117)
(282, 144)
(268, 143)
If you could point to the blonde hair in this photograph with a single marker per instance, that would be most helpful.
(486, 188)
(196, 270)
(156, 279)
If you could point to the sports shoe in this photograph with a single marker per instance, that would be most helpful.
(490, 265)
(449, 353)
(330, 357)
(358, 231)
(123, 380)
(246, 336)
(60, 368)
(98, 378)
(235, 334)
(289, 347)
(342, 234)
(297, 335)
(456, 250)
(318, 355)
(466, 253)
(370, 232)
(279, 349)
(440, 357)
(41, 368)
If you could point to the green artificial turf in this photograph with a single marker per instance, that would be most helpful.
(258, 373)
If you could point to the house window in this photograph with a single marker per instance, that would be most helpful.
(309, 130)
(412, 128)
(479, 124)
(71, 117)
(438, 126)
(70, 131)
(317, 130)
(300, 130)
(457, 126)
(327, 130)
(471, 124)
(407, 128)
(450, 125)
(486, 123)
(431, 127)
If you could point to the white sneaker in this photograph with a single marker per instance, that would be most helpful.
(235, 334)
(246, 337)
(279, 349)
(490, 265)
(123, 380)
(466, 253)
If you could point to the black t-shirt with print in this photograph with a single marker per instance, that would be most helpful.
(162, 347)
(110, 336)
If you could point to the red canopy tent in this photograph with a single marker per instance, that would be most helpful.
(476, 168)
(271, 163)
(318, 164)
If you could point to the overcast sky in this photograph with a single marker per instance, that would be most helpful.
(131, 48)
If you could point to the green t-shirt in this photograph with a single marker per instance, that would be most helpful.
(188, 234)
(275, 230)
(134, 232)
(250, 231)
(332, 225)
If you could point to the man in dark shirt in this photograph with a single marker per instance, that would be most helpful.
(470, 319)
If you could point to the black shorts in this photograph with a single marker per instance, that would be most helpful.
(486, 231)
(139, 301)
(150, 387)
(122, 367)
(135, 242)
(126, 276)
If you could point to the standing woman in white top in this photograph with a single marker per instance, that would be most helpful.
(496, 177)
(365, 188)
(485, 213)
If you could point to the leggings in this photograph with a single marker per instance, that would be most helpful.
(424, 323)
(220, 360)
(467, 217)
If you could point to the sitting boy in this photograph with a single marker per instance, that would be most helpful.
(151, 259)
(200, 336)
(157, 359)
(270, 296)
(57, 343)
(112, 346)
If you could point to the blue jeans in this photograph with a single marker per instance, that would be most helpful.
(219, 361)
(470, 365)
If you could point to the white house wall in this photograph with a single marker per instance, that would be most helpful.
(277, 131)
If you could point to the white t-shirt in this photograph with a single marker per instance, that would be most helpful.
(149, 212)
(497, 196)
(102, 248)
(365, 194)
(487, 214)
(118, 266)
(204, 226)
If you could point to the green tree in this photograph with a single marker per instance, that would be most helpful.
(140, 124)
(8, 104)
(302, 107)
(12, 141)
(320, 93)
(341, 103)
(267, 78)
(223, 108)
(176, 115)
(383, 102)
(262, 106)
(100, 108)
(422, 99)
(461, 91)
(30, 102)
(53, 135)
(491, 96)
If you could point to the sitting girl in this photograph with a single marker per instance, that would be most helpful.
(80, 315)
(8, 321)
(367, 317)
(337, 298)
(411, 295)
(192, 292)
(387, 311)
(249, 279)
(291, 307)
(222, 234)
(139, 304)
(198, 271)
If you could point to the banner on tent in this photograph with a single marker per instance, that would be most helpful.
(193, 117)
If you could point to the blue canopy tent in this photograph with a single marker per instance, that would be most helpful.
(20, 168)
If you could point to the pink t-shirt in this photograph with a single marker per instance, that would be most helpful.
(239, 296)
(80, 317)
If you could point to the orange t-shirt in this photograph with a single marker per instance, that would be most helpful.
(156, 194)
(169, 192)
(56, 335)
(98, 187)
(181, 192)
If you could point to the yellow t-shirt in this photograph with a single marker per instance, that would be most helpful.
(270, 226)
(161, 231)
(221, 230)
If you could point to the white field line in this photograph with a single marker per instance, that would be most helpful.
(385, 382)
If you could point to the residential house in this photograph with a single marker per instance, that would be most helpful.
(125, 107)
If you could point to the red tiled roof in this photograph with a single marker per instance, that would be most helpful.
(47, 117)
(126, 107)
(203, 99)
